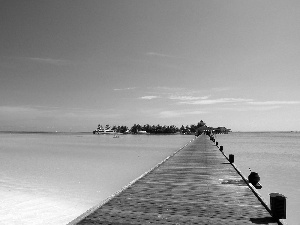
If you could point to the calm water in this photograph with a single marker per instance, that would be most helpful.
(53, 178)
(276, 158)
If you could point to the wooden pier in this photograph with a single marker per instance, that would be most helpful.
(197, 185)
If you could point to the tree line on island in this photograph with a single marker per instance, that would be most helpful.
(194, 129)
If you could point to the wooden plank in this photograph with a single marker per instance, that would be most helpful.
(197, 185)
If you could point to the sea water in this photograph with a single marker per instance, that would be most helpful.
(52, 178)
(275, 156)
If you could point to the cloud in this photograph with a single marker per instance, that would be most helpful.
(149, 97)
(177, 93)
(215, 101)
(124, 89)
(188, 98)
(165, 88)
(275, 103)
(247, 108)
(57, 62)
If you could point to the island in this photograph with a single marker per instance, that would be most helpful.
(194, 129)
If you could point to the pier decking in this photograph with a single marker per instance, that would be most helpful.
(197, 185)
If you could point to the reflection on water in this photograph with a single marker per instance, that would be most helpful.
(276, 157)
(53, 178)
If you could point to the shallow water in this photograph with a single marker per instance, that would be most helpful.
(275, 156)
(53, 178)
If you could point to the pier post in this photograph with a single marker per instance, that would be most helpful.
(231, 158)
(278, 205)
(217, 143)
(221, 148)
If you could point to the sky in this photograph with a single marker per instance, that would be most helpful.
(71, 65)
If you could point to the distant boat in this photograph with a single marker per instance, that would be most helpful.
(106, 130)
(142, 132)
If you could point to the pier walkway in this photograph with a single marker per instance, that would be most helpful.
(196, 185)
